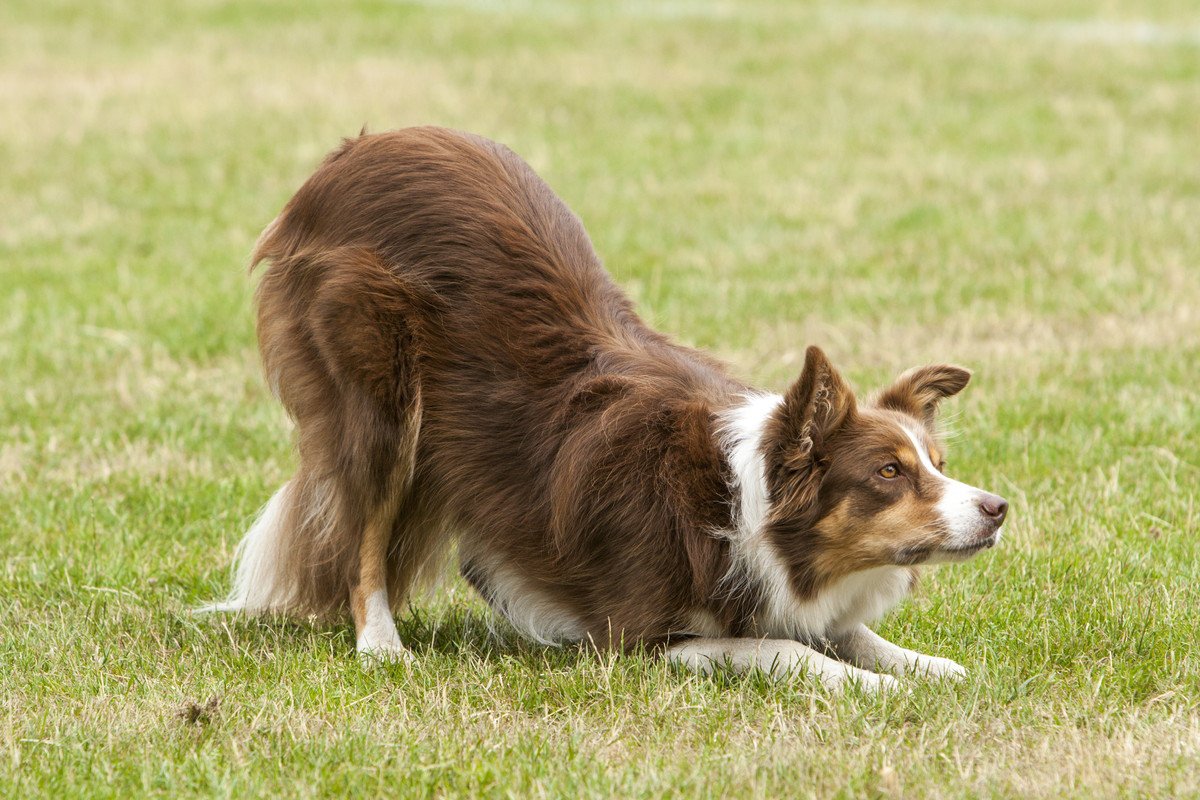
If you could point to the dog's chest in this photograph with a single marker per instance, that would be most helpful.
(862, 597)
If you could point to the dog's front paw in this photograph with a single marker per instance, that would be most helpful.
(943, 668)
(883, 683)
(869, 682)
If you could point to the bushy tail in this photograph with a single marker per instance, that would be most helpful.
(260, 583)
(289, 562)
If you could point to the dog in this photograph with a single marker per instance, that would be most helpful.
(461, 370)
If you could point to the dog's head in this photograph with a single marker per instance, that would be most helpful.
(854, 486)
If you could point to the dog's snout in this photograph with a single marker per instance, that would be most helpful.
(994, 507)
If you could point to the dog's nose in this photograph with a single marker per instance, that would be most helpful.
(994, 507)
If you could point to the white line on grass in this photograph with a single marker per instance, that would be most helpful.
(669, 9)
(1083, 31)
(942, 23)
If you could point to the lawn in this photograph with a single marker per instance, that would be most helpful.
(1006, 184)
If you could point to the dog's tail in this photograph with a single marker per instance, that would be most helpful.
(262, 582)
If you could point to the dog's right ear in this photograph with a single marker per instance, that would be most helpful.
(816, 406)
(918, 391)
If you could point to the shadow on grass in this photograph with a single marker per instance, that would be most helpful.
(448, 640)
(460, 631)
(467, 633)
(468, 630)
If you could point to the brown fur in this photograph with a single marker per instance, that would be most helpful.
(458, 363)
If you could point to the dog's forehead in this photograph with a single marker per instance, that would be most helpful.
(885, 428)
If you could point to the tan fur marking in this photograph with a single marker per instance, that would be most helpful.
(851, 543)
(372, 568)
(908, 460)
(935, 455)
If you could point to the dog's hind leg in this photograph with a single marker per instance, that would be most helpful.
(338, 333)
(364, 322)
(370, 605)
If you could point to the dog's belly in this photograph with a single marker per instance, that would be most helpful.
(533, 613)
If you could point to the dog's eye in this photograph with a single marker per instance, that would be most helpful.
(942, 465)
(889, 472)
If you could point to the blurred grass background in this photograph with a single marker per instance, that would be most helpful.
(1005, 184)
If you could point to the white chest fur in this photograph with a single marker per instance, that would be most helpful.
(862, 597)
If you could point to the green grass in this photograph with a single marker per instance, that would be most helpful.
(1008, 184)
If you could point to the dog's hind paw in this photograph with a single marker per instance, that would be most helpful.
(389, 653)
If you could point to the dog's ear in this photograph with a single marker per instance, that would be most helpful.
(918, 391)
(816, 406)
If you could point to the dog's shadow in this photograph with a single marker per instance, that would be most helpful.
(465, 631)
(459, 631)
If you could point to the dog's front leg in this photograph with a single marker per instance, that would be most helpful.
(778, 657)
(864, 648)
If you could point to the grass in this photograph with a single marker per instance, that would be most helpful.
(1007, 184)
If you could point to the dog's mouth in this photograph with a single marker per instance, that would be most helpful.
(933, 554)
(963, 552)
(972, 548)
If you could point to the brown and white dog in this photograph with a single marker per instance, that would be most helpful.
(461, 368)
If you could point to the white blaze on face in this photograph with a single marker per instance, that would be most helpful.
(959, 505)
